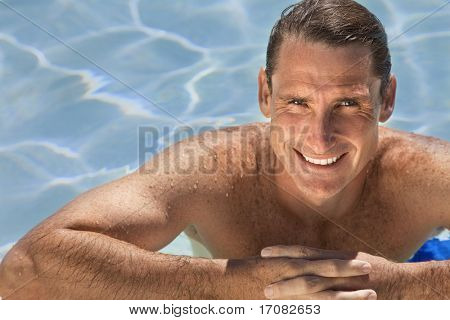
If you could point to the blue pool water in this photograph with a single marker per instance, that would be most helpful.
(69, 123)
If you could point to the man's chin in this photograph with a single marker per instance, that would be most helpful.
(323, 193)
(319, 190)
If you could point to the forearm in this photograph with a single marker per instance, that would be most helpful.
(421, 280)
(69, 264)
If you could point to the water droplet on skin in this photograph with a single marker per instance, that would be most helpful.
(171, 184)
(227, 194)
(215, 156)
(195, 186)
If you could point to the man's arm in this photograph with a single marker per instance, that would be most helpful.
(425, 179)
(72, 264)
(420, 171)
(420, 280)
(427, 190)
(103, 245)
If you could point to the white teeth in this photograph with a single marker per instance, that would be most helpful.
(322, 162)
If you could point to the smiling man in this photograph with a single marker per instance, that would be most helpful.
(320, 203)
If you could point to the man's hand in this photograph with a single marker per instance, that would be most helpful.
(325, 274)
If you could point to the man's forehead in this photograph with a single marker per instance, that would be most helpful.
(314, 64)
(309, 79)
(303, 81)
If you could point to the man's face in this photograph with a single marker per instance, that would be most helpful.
(324, 108)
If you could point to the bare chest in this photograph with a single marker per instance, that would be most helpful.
(378, 227)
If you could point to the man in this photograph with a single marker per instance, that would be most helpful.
(336, 202)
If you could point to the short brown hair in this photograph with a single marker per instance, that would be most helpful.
(336, 23)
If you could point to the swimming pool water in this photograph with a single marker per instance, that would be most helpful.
(68, 120)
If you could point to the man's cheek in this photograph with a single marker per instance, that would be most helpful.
(355, 127)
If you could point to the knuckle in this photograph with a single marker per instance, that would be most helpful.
(302, 251)
(328, 267)
(334, 266)
(290, 268)
(296, 265)
(312, 282)
(323, 295)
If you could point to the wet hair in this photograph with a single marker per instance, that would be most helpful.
(336, 23)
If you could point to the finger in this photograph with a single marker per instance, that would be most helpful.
(300, 286)
(304, 253)
(334, 267)
(340, 295)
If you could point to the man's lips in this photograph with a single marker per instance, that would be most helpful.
(323, 161)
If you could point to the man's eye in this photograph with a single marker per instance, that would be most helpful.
(348, 103)
(297, 102)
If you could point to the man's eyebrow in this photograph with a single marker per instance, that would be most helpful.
(293, 95)
(344, 96)
(361, 97)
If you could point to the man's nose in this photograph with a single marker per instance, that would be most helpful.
(320, 137)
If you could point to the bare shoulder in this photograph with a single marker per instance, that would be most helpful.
(237, 150)
(211, 153)
(408, 141)
(417, 169)
(415, 153)
(199, 171)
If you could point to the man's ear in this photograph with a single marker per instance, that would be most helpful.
(387, 107)
(263, 93)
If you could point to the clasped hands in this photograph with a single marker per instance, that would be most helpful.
(322, 274)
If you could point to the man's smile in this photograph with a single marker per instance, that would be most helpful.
(329, 162)
(322, 161)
